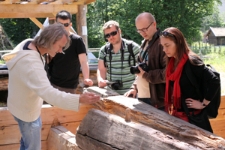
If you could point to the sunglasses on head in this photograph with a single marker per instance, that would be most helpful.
(166, 34)
(65, 24)
(110, 34)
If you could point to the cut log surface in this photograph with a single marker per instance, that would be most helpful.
(61, 139)
(145, 128)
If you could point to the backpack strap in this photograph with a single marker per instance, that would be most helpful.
(130, 50)
(47, 64)
(107, 51)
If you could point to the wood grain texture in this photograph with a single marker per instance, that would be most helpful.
(218, 124)
(61, 139)
(145, 119)
(51, 116)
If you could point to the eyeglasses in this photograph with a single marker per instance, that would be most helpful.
(144, 29)
(110, 34)
(65, 24)
(166, 34)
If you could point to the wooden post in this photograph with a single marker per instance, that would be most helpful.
(81, 23)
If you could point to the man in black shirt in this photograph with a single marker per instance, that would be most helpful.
(64, 69)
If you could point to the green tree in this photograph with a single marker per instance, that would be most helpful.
(19, 29)
(184, 14)
(214, 20)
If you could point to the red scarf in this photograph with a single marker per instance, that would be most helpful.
(171, 75)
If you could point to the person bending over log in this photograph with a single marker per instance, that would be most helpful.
(29, 84)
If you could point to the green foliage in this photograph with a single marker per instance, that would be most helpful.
(19, 29)
(214, 20)
(184, 14)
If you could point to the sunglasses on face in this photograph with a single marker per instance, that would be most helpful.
(110, 34)
(65, 24)
(166, 34)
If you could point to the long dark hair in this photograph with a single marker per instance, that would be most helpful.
(181, 45)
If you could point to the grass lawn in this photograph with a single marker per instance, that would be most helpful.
(215, 56)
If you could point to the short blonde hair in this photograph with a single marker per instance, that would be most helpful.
(109, 24)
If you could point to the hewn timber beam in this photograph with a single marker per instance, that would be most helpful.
(73, 2)
(6, 2)
(36, 11)
(38, 23)
(89, 1)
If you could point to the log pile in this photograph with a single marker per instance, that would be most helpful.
(126, 123)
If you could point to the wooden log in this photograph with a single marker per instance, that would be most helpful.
(103, 92)
(61, 139)
(156, 123)
(97, 131)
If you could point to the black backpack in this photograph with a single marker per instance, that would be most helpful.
(212, 108)
(130, 50)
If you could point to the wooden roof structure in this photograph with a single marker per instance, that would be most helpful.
(38, 8)
(46, 8)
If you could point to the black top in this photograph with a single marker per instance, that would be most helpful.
(208, 87)
(64, 69)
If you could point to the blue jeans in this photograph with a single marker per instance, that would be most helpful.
(31, 134)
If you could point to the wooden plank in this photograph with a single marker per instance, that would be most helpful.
(6, 118)
(28, 11)
(11, 134)
(218, 126)
(25, 15)
(6, 2)
(72, 126)
(113, 132)
(61, 139)
(222, 104)
(17, 146)
(65, 116)
(51, 116)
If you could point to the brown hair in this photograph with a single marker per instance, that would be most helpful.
(50, 35)
(181, 44)
(109, 24)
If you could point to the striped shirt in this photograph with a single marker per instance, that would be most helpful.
(120, 70)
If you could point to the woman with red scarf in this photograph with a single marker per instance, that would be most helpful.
(181, 98)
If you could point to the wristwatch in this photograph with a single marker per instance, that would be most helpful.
(203, 104)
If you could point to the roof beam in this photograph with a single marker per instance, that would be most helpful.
(74, 2)
(37, 22)
(34, 10)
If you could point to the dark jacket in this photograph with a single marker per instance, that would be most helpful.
(207, 85)
(156, 74)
